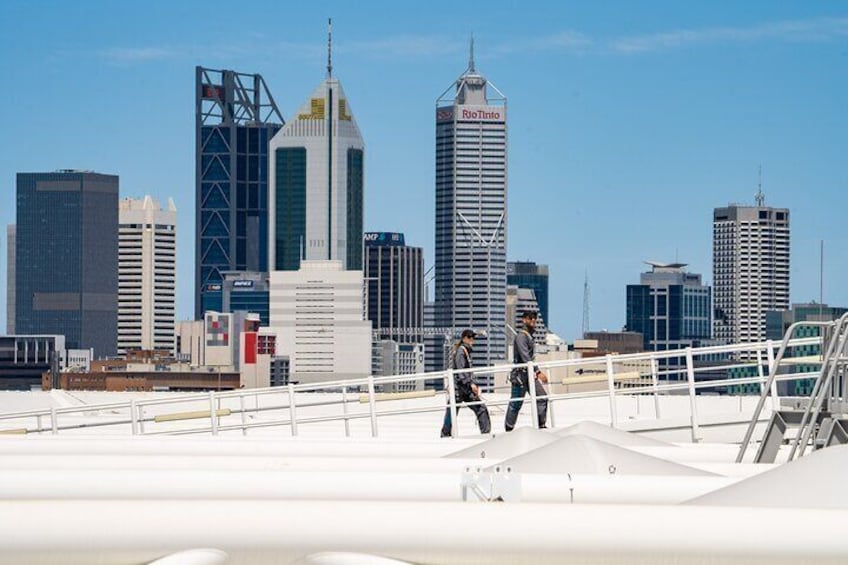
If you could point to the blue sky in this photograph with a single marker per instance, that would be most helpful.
(628, 122)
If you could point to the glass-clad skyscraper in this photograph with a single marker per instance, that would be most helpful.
(235, 119)
(670, 308)
(471, 143)
(316, 183)
(394, 286)
(526, 274)
(66, 271)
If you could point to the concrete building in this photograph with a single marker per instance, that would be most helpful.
(670, 307)
(215, 340)
(526, 274)
(66, 258)
(247, 291)
(750, 269)
(235, 118)
(395, 358)
(617, 342)
(394, 275)
(316, 181)
(257, 353)
(318, 315)
(10, 279)
(24, 358)
(147, 274)
(471, 175)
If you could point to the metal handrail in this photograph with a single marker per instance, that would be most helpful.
(835, 348)
(773, 365)
(212, 400)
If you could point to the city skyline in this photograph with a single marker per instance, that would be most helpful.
(715, 101)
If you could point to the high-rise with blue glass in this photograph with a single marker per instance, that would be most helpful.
(66, 263)
(671, 308)
(236, 117)
(526, 274)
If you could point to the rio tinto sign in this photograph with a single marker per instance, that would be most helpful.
(471, 114)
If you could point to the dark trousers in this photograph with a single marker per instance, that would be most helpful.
(464, 394)
(519, 390)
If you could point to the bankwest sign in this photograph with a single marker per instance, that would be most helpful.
(472, 114)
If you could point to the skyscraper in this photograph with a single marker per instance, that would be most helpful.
(10, 279)
(66, 263)
(394, 282)
(750, 269)
(526, 274)
(235, 118)
(316, 183)
(147, 274)
(471, 143)
(670, 307)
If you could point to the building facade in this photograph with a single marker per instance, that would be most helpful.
(25, 358)
(318, 315)
(670, 307)
(526, 274)
(235, 118)
(66, 258)
(147, 274)
(471, 184)
(617, 342)
(394, 284)
(10, 278)
(247, 291)
(750, 269)
(316, 175)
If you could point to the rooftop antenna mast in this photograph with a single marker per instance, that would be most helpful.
(471, 68)
(585, 305)
(761, 198)
(329, 47)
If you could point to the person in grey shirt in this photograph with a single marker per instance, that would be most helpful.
(465, 388)
(524, 352)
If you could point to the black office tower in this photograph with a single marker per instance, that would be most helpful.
(526, 274)
(67, 258)
(235, 119)
(395, 286)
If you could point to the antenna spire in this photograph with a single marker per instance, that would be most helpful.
(329, 47)
(471, 56)
(761, 198)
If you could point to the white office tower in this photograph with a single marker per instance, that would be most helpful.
(316, 183)
(750, 269)
(146, 274)
(318, 315)
(470, 290)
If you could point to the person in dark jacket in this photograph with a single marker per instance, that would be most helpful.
(524, 352)
(465, 388)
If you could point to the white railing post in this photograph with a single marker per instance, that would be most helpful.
(344, 412)
(141, 419)
(243, 415)
(292, 410)
(213, 413)
(693, 405)
(550, 400)
(38, 422)
(54, 421)
(531, 388)
(372, 406)
(133, 418)
(655, 381)
(452, 402)
(775, 405)
(611, 386)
